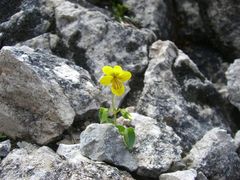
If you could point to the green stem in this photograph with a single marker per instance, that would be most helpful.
(114, 109)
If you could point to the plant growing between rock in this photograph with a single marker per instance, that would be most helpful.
(114, 77)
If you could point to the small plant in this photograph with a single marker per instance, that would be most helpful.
(114, 77)
(2, 137)
(119, 10)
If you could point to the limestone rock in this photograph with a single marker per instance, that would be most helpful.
(40, 94)
(237, 139)
(100, 40)
(43, 163)
(221, 19)
(102, 142)
(176, 92)
(25, 20)
(189, 20)
(215, 155)
(5, 147)
(46, 42)
(190, 174)
(233, 83)
(152, 14)
(156, 147)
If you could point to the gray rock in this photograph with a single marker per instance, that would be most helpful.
(28, 19)
(237, 140)
(152, 14)
(43, 163)
(41, 94)
(69, 151)
(46, 42)
(221, 18)
(176, 92)
(189, 20)
(190, 174)
(100, 40)
(233, 83)
(156, 147)
(215, 155)
(102, 142)
(5, 147)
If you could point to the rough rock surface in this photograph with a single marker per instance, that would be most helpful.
(190, 174)
(5, 147)
(233, 83)
(100, 40)
(152, 14)
(221, 17)
(40, 94)
(176, 92)
(215, 155)
(156, 147)
(26, 20)
(102, 142)
(189, 20)
(43, 163)
(237, 141)
(46, 42)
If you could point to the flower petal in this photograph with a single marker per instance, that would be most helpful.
(117, 70)
(106, 80)
(108, 70)
(124, 76)
(118, 92)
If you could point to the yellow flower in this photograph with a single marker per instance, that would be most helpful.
(115, 77)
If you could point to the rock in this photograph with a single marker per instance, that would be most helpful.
(233, 83)
(69, 150)
(237, 141)
(102, 142)
(215, 155)
(101, 41)
(46, 42)
(221, 19)
(156, 147)
(43, 163)
(152, 14)
(5, 147)
(29, 19)
(176, 92)
(190, 174)
(41, 94)
(189, 20)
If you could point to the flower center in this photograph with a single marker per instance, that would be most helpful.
(116, 83)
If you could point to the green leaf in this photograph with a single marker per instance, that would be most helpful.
(103, 115)
(121, 129)
(125, 114)
(129, 137)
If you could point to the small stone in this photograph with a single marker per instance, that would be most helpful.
(190, 174)
(102, 142)
(215, 155)
(5, 147)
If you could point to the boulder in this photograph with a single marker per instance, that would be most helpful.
(25, 20)
(46, 42)
(233, 83)
(176, 92)
(100, 40)
(40, 94)
(190, 174)
(215, 155)
(102, 142)
(43, 163)
(221, 18)
(152, 14)
(189, 21)
(5, 147)
(157, 147)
